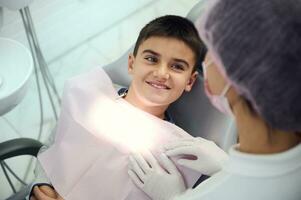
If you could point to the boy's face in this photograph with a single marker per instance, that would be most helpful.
(161, 71)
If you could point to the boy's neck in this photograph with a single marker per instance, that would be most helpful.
(158, 111)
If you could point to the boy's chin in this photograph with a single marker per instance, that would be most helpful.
(158, 102)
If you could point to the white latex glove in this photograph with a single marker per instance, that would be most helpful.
(149, 176)
(208, 160)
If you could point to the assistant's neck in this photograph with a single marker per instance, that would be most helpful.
(255, 136)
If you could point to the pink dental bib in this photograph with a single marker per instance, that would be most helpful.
(96, 132)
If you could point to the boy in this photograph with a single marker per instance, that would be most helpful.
(163, 66)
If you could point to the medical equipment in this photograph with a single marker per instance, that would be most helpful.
(41, 70)
(16, 66)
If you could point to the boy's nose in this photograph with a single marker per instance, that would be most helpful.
(162, 72)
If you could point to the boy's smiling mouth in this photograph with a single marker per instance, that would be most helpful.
(157, 85)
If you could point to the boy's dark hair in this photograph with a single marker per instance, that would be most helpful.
(175, 27)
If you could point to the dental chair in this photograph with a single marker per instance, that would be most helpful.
(192, 112)
(15, 148)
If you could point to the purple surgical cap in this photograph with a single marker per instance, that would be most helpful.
(258, 45)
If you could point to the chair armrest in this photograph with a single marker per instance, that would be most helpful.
(18, 147)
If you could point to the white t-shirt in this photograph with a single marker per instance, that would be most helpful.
(253, 177)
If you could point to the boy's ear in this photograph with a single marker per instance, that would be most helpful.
(191, 81)
(131, 59)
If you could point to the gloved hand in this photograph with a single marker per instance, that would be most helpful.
(149, 176)
(208, 157)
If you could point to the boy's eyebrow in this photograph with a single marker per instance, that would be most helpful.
(182, 61)
(151, 51)
(157, 54)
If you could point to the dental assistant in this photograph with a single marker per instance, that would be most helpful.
(252, 72)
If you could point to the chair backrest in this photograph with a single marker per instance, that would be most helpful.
(192, 111)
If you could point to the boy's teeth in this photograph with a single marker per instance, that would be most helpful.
(158, 86)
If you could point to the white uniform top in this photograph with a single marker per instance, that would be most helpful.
(253, 177)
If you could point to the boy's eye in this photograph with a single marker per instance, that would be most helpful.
(151, 59)
(178, 67)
